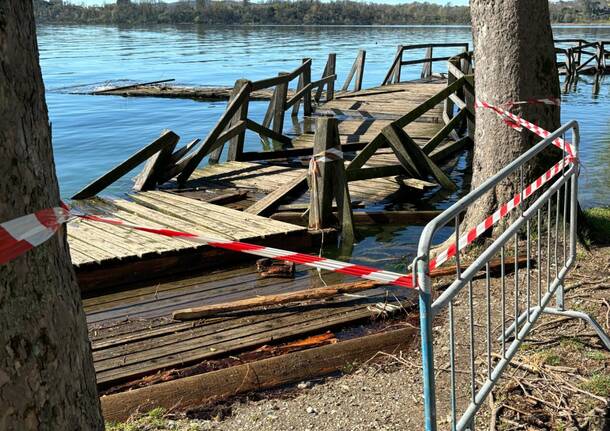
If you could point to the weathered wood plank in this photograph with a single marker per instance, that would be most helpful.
(166, 139)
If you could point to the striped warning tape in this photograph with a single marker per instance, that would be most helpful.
(22, 234)
(516, 121)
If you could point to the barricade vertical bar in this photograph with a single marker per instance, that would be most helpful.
(539, 255)
(527, 270)
(425, 319)
(471, 317)
(516, 295)
(548, 246)
(503, 300)
(452, 365)
(556, 242)
(488, 299)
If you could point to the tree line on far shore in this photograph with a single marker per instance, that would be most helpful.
(299, 12)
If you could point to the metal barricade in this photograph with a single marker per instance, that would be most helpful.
(545, 229)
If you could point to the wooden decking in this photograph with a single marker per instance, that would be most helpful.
(103, 254)
(131, 330)
(133, 335)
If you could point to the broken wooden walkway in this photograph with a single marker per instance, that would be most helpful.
(394, 138)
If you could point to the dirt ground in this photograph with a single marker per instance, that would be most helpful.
(559, 379)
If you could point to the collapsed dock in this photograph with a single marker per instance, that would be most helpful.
(398, 143)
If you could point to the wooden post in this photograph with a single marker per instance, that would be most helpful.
(426, 71)
(360, 72)
(329, 70)
(398, 66)
(307, 109)
(236, 144)
(356, 70)
(448, 104)
(279, 105)
(330, 86)
(304, 80)
(469, 97)
(215, 154)
(329, 181)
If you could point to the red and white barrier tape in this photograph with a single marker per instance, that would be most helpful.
(517, 122)
(22, 234)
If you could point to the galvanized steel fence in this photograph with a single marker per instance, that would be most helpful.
(489, 317)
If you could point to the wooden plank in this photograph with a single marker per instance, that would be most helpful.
(265, 374)
(166, 139)
(265, 131)
(444, 132)
(147, 179)
(263, 206)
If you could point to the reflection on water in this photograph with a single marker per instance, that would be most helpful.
(91, 134)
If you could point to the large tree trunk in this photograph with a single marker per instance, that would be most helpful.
(514, 61)
(47, 381)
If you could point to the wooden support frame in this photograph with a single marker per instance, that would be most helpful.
(407, 152)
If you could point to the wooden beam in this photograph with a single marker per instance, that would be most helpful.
(446, 151)
(295, 152)
(401, 146)
(147, 179)
(416, 218)
(166, 139)
(264, 205)
(376, 172)
(210, 140)
(319, 293)
(421, 109)
(415, 154)
(262, 130)
(181, 152)
(444, 132)
(264, 374)
(272, 300)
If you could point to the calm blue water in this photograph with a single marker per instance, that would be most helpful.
(93, 133)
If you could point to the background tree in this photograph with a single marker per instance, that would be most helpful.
(47, 381)
(514, 61)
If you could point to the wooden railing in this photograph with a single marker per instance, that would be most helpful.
(581, 55)
(393, 75)
(164, 162)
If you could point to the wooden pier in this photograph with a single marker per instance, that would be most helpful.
(398, 142)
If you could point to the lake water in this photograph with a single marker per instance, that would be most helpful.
(93, 133)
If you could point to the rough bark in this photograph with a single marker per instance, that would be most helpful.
(514, 61)
(47, 381)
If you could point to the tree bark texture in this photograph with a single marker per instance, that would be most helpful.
(514, 61)
(47, 381)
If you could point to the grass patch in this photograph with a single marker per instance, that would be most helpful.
(572, 344)
(598, 384)
(552, 359)
(598, 224)
(597, 355)
(154, 420)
